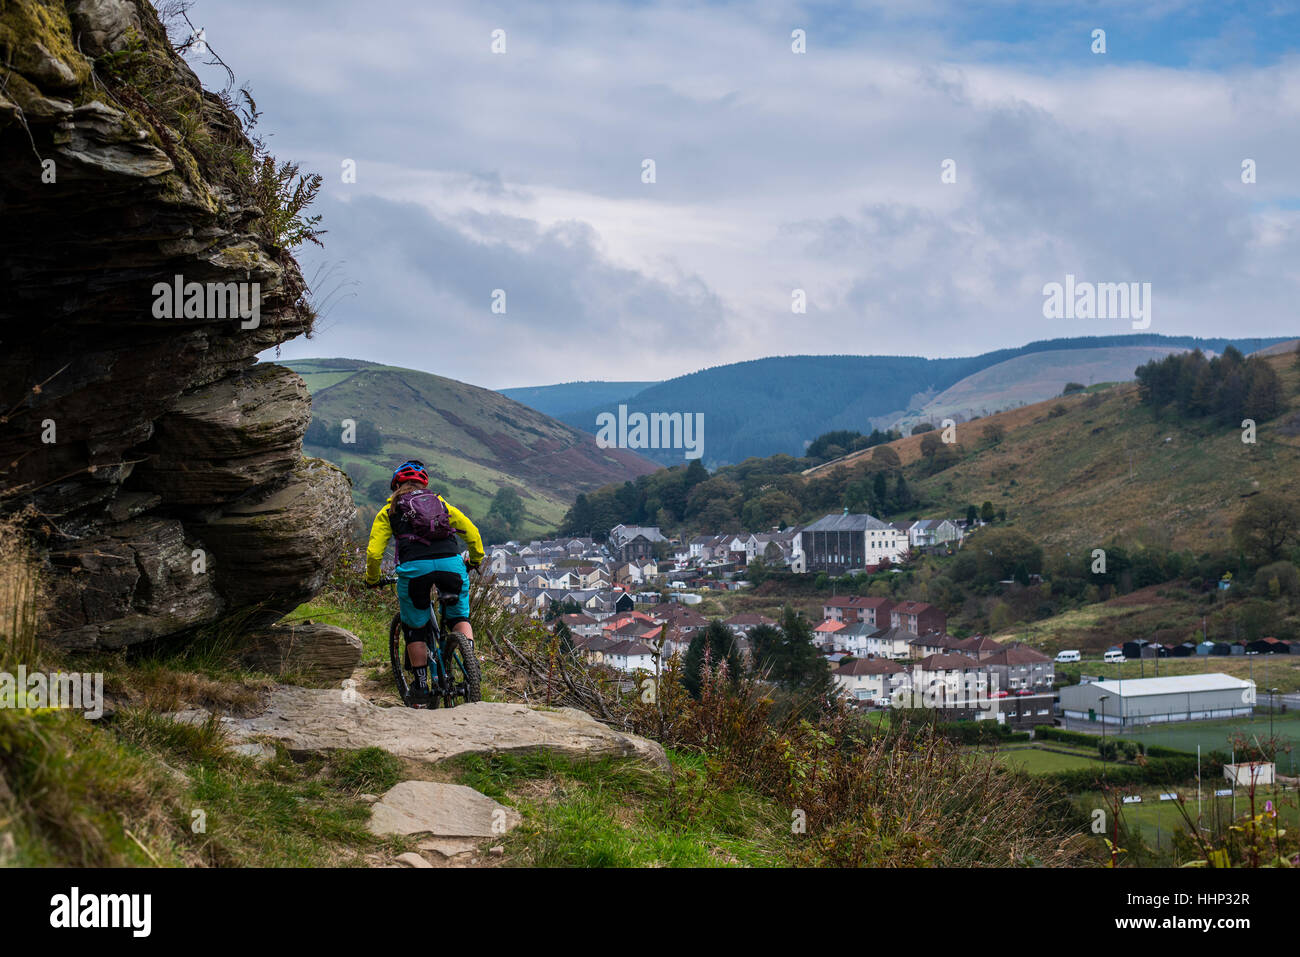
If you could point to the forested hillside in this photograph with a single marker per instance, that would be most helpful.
(569, 397)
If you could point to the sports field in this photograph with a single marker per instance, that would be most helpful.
(1215, 735)
(1159, 820)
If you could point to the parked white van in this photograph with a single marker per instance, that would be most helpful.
(1113, 656)
(1065, 656)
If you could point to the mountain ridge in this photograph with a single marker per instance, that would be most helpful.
(762, 407)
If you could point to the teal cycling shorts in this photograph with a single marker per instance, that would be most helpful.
(416, 581)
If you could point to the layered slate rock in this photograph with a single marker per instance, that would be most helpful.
(164, 462)
(311, 648)
(268, 546)
(227, 438)
(309, 720)
(130, 581)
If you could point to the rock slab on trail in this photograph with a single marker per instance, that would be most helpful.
(309, 720)
(440, 810)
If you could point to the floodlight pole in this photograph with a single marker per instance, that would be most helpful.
(1101, 699)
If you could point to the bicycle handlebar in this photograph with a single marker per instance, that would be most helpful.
(392, 579)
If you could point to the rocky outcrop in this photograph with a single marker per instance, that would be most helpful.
(130, 581)
(222, 440)
(164, 461)
(311, 648)
(308, 720)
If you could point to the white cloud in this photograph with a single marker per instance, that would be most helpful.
(774, 171)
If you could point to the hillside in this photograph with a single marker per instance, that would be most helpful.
(1032, 378)
(1077, 471)
(568, 397)
(474, 441)
(777, 405)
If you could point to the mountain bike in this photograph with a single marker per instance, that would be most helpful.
(453, 666)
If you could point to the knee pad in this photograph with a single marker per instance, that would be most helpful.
(422, 633)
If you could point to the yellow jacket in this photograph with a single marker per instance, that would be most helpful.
(381, 532)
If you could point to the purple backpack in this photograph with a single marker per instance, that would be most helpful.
(423, 516)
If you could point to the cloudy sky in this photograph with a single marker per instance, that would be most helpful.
(774, 171)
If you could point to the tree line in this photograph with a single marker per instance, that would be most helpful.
(757, 494)
(1227, 388)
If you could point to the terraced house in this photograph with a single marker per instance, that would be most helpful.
(853, 609)
(918, 618)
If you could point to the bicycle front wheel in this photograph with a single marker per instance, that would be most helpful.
(397, 656)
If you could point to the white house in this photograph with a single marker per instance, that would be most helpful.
(928, 532)
(629, 656)
(869, 679)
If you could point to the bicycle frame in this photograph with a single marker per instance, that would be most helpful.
(442, 684)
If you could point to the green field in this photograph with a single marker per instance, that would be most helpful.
(1157, 821)
(1214, 735)
(1037, 760)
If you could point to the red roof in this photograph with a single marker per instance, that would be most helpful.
(911, 607)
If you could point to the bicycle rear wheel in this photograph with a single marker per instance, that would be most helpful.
(465, 684)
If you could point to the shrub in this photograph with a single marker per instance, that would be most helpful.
(1161, 771)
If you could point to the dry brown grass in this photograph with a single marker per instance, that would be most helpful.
(1109, 470)
(968, 433)
(22, 597)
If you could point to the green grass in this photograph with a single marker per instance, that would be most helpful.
(143, 790)
(317, 381)
(1036, 760)
(1215, 735)
(368, 624)
(1157, 821)
(478, 441)
(616, 813)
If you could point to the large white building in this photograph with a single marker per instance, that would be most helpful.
(845, 542)
(1142, 701)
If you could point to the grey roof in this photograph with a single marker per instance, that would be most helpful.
(1177, 684)
(626, 533)
(847, 523)
(869, 666)
(629, 647)
(860, 629)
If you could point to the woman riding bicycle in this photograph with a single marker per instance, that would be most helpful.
(428, 557)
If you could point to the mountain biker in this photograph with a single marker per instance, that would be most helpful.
(424, 562)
